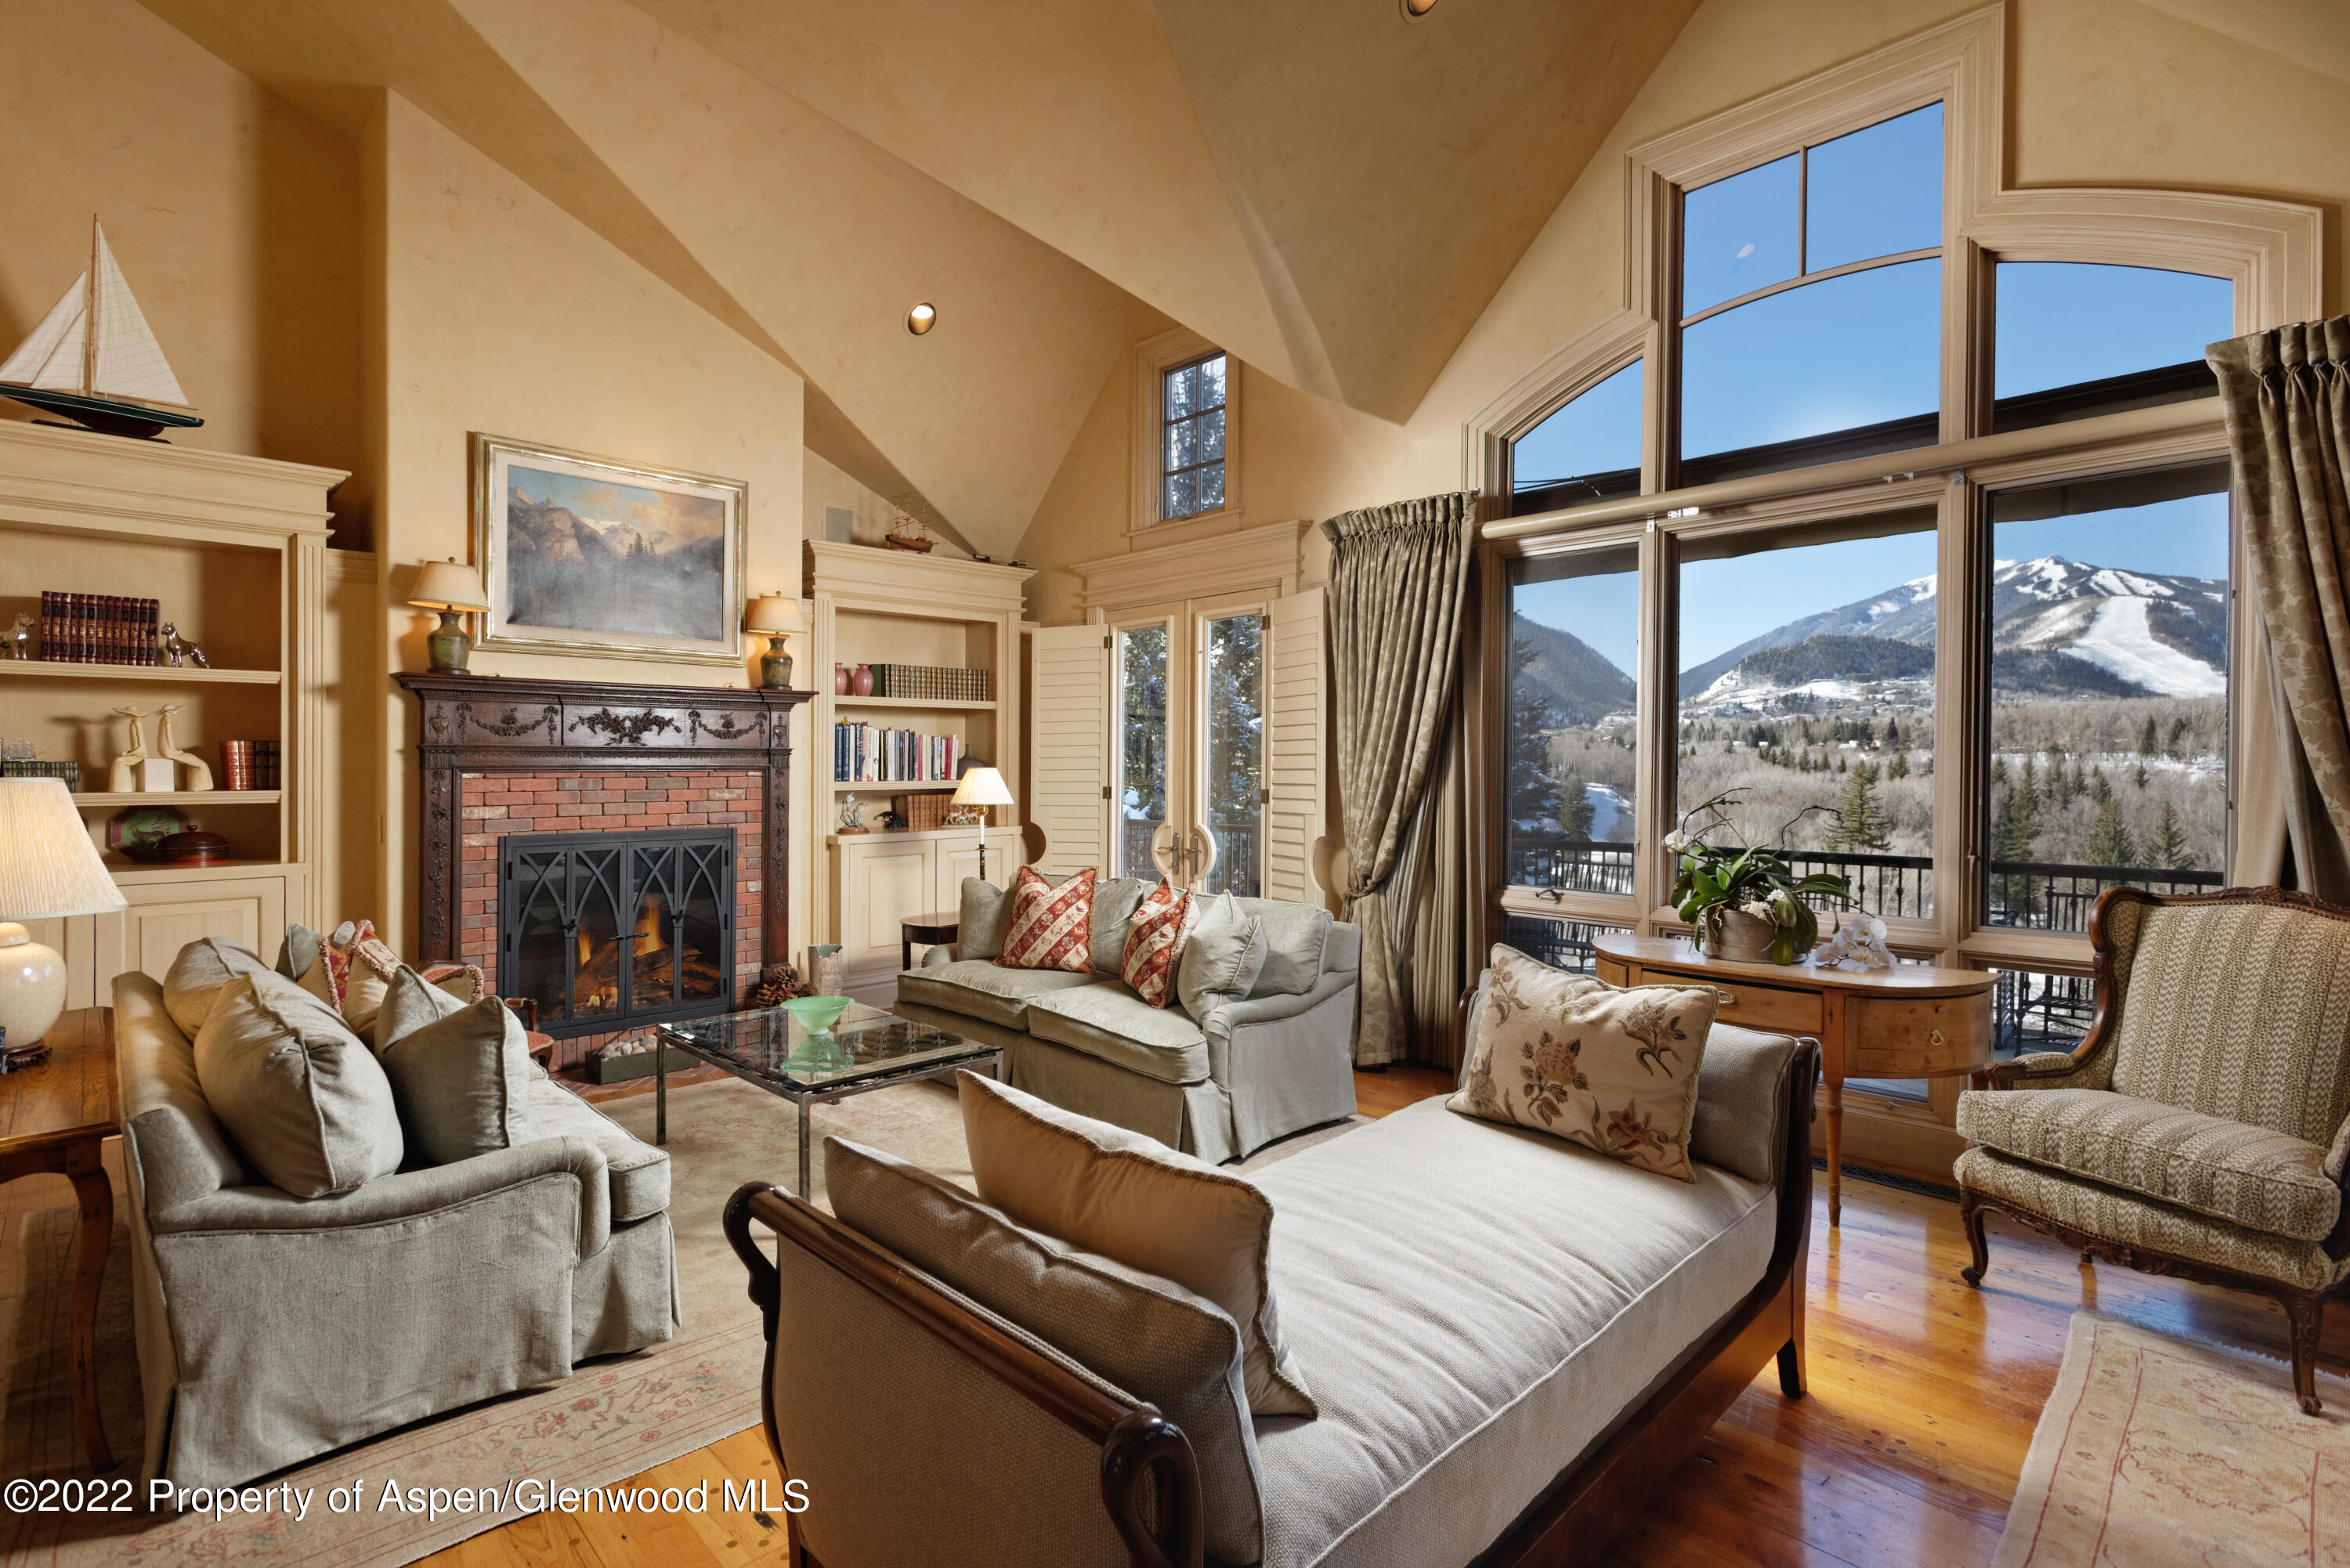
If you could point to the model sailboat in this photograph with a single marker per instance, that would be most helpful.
(93, 359)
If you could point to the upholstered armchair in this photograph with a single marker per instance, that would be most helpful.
(2199, 1129)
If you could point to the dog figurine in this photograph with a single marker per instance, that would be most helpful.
(177, 649)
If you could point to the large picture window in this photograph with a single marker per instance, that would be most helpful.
(1572, 791)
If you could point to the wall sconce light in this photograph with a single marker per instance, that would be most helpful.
(922, 318)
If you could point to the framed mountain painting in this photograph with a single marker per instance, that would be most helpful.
(585, 554)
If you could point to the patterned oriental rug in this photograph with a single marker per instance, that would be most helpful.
(614, 1419)
(2153, 1451)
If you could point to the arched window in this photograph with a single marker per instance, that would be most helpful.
(1587, 451)
(2077, 338)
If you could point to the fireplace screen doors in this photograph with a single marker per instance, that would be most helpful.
(605, 930)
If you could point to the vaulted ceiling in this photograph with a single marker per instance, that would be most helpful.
(1326, 189)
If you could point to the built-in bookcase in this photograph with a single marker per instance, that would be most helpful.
(233, 549)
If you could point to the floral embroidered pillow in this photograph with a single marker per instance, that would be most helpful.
(1610, 1068)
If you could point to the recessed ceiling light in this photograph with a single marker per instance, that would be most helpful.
(1413, 10)
(922, 318)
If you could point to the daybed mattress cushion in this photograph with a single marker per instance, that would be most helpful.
(985, 990)
(638, 1172)
(1477, 1304)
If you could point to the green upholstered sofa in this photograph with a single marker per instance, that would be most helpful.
(273, 1328)
(1271, 1064)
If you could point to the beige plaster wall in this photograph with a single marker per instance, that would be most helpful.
(2101, 92)
(501, 312)
(234, 220)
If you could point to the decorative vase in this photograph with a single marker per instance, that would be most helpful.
(840, 680)
(862, 681)
(1737, 935)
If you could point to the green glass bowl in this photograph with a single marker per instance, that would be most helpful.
(817, 1014)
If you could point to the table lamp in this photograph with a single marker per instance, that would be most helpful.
(777, 616)
(48, 867)
(451, 589)
(982, 787)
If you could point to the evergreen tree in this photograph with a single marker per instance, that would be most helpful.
(1899, 768)
(2149, 740)
(2170, 846)
(2013, 827)
(2177, 747)
(1532, 791)
(2098, 787)
(2141, 780)
(1998, 770)
(1893, 734)
(2031, 788)
(2109, 841)
(1861, 823)
(1575, 808)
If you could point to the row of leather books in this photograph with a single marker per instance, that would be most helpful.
(97, 628)
(249, 764)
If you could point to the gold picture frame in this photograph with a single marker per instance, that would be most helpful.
(609, 559)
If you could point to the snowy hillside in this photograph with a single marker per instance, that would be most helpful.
(2094, 630)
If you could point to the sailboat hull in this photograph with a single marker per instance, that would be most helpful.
(112, 416)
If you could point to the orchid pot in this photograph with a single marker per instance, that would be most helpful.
(1743, 901)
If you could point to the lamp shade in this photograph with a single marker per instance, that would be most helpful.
(48, 867)
(445, 584)
(983, 786)
(773, 614)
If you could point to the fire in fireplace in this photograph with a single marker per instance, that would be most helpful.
(609, 929)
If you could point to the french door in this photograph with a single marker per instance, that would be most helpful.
(1189, 691)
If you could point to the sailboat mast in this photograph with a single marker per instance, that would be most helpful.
(89, 317)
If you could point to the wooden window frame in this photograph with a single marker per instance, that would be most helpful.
(2271, 251)
(1153, 358)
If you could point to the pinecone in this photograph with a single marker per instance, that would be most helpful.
(779, 985)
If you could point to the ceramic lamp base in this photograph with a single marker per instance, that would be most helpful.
(775, 667)
(32, 995)
(448, 648)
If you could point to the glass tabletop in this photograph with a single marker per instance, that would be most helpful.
(770, 1044)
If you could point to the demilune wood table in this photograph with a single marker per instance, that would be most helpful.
(56, 1117)
(1908, 1022)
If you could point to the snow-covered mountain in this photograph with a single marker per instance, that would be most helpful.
(2058, 627)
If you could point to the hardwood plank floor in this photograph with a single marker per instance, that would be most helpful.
(1923, 1397)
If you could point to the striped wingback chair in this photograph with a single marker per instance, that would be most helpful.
(2199, 1129)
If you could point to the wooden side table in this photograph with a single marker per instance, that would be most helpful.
(928, 929)
(1907, 1022)
(56, 1117)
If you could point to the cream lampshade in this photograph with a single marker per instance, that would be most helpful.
(48, 867)
(982, 787)
(451, 589)
(777, 616)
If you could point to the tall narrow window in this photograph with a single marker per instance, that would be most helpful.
(2072, 340)
(1192, 448)
(1811, 296)
(1575, 625)
(1589, 450)
(2107, 754)
(1806, 698)
(1140, 789)
(1233, 753)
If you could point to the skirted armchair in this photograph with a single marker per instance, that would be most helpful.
(2199, 1129)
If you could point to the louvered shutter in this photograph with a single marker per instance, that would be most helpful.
(1295, 750)
(1068, 766)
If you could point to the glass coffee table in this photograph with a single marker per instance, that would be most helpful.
(866, 1049)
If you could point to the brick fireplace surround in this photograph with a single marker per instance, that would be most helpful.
(505, 756)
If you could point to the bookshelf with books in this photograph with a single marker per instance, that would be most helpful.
(107, 540)
(940, 638)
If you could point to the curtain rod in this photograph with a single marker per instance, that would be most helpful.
(2164, 419)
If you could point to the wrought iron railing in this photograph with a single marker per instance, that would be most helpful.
(1561, 944)
(1237, 867)
(2041, 896)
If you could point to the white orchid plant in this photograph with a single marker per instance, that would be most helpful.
(1713, 879)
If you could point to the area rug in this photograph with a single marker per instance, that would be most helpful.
(615, 1419)
(2153, 1451)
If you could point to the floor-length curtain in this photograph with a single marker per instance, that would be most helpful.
(2286, 395)
(1440, 914)
(1397, 578)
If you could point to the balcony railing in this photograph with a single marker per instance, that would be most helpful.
(1238, 867)
(2029, 894)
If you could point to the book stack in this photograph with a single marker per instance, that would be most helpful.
(265, 766)
(70, 771)
(238, 767)
(97, 628)
(866, 753)
(930, 682)
(929, 813)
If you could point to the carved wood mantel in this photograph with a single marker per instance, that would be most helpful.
(494, 724)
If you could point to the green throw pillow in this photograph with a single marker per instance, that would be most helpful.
(460, 1072)
(1222, 960)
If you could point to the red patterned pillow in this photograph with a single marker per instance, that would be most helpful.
(1154, 942)
(1052, 926)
